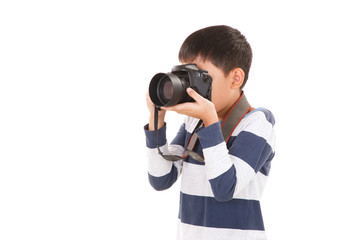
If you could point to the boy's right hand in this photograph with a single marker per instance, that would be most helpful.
(161, 115)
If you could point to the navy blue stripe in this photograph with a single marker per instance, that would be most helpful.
(151, 137)
(265, 169)
(180, 137)
(224, 185)
(252, 149)
(206, 211)
(211, 135)
(230, 141)
(267, 165)
(164, 182)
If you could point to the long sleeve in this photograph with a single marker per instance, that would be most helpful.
(162, 173)
(251, 149)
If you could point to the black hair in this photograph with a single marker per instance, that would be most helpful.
(223, 46)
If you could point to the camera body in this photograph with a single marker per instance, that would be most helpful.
(169, 89)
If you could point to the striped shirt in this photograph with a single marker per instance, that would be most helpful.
(219, 199)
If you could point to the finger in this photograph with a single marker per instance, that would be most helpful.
(167, 108)
(173, 108)
(192, 93)
(179, 108)
(148, 97)
(148, 101)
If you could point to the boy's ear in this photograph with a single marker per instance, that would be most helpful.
(237, 76)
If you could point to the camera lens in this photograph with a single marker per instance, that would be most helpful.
(166, 89)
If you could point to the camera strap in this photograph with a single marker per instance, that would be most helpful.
(232, 119)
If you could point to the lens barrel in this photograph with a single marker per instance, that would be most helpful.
(167, 89)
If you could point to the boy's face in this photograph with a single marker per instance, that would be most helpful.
(224, 94)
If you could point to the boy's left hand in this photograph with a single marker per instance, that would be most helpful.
(201, 108)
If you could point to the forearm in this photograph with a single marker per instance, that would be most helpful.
(224, 171)
(162, 173)
(161, 121)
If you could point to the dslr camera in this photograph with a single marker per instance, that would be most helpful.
(169, 89)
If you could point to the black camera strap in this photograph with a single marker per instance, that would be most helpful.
(234, 116)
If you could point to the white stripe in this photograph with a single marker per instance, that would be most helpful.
(249, 185)
(216, 160)
(179, 151)
(244, 174)
(257, 124)
(195, 182)
(191, 232)
(157, 165)
(176, 149)
(254, 190)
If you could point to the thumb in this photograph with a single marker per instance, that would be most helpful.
(192, 93)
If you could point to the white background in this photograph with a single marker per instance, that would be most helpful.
(72, 109)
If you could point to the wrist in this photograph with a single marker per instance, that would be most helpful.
(210, 119)
(161, 122)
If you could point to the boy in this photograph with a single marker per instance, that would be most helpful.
(219, 197)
